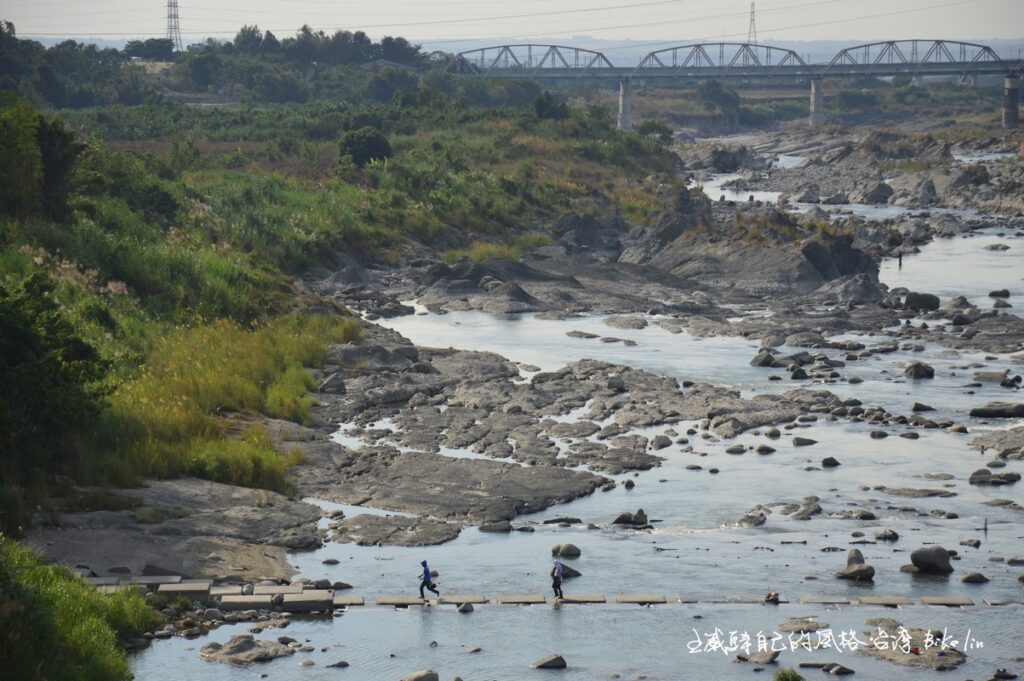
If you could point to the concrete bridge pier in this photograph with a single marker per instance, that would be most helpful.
(625, 105)
(817, 104)
(1011, 102)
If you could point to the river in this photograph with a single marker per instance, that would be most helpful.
(696, 552)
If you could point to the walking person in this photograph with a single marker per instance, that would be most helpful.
(900, 256)
(556, 579)
(427, 582)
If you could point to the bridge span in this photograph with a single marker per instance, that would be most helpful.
(747, 61)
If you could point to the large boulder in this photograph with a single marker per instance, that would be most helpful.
(245, 649)
(919, 370)
(636, 519)
(932, 560)
(550, 662)
(921, 301)
(856, 569)
(810, 193)
(566, 551)
(879, 193)
(999, 410)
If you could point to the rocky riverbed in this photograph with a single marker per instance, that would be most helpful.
(787, 414)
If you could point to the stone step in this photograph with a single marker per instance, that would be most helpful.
(400, 601)
(459, 600)
(246, 602)
(824, 600)
(523, 599)
(101, 581)
(218, 591)
(948, 602)
(112, 589)
(999, 604)
(194, 591)
(308, 601)
(346, 601)
(640, 599)
(277, 589)
(888, 601)
(584, 598)
(156, 580)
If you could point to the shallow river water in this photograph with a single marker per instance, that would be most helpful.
(696, 552)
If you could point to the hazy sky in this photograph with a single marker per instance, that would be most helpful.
(424, 20)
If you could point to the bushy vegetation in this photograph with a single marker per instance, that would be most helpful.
(478, 251)
(169, 418)
(57, 628)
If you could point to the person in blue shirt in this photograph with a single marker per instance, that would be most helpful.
(427, 581)
(556, 579)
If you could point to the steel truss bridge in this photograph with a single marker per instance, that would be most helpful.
(914, 58)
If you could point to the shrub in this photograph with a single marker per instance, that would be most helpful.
(787, 675)
(55, 627)
(364, 145)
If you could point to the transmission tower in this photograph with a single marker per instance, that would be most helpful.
(173, 28)
(752, 31)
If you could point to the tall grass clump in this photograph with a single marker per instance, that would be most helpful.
(478, 251)
(168, 419)
(251, 461)
(57, 628)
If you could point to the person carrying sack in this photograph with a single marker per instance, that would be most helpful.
(427, 582)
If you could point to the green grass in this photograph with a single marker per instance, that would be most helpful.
(478, 251)
(250, 462)
(55, 627)
(168, 420)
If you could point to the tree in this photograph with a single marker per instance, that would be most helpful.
(154, 49)
(21, 164)
(249, 39)
(716, 97)
(364, 145)
(49, 396)
(656, 128)
(547, 107)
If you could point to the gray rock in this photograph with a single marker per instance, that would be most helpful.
(974, 578)
(503, 526)
(829, 462)
(887, 535)
(566, 551)
(918, 370)
(244, 649)
(984, 476)
(465, 608)
(422, 675)
(999, 410)
(550, 662)
(335, 384)
(626, 322)
(856, 569)
(921, 301)
(932, 560)
(660, 442)
(803, 441)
